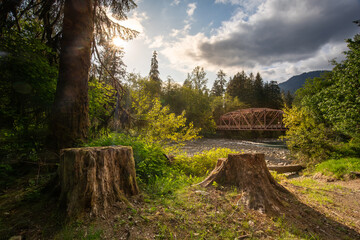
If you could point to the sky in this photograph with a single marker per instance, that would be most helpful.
(277, 38)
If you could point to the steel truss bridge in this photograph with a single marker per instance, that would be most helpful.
(261, 119)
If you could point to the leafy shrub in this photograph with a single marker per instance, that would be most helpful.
(338, 168)
(201, 164)
(150, 161)
(156, 123)
(349, 149)
(308, 139)
(27, 90)
(166, 185)
(102, 103)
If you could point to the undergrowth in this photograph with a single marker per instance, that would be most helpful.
(314, 190)
(339, 168)
(150, 161)
(155, 174)
(202, 163)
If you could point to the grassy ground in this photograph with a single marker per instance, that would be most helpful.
(174, 207)
(339, 168)
(316, 210)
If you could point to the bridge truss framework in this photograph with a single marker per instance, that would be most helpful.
(261, 119)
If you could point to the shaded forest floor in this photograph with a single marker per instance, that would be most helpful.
(316, 210)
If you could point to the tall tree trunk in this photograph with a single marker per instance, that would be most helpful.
(70, 116)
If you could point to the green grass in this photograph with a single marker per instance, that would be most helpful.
(315, 191)
(339, 168)
(77, 231)
(203, 163)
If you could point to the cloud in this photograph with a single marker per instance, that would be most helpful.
(281, 31)
(156, 42)
(175, 3)
(191, 9)
(278, 34)
(184, 54)
(180, 32)
(247, 5)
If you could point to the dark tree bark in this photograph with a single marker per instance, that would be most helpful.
(248, 172)
(70, 117)
(93, 179)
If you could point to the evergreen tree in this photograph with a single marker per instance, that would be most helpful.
(154, 86)
(111, 66)
(218, 88)
(288, 98)
(259, 99)
(272, 95)
(241, 86)
(154, 73)
(236, 85)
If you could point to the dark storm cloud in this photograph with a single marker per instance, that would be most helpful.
(283, 31)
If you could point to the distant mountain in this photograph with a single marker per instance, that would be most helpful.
(296, 82)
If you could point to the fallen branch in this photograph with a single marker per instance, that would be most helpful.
(285, 169)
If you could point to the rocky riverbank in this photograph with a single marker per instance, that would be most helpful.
(275, 152)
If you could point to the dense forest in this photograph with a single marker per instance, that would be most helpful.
(32, 89)
(63, 84)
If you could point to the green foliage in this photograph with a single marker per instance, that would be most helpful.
(350, 149)
(158, 124)
(202, 163)
(339, 168)
(308, 139)
(77, 231)
(197, 80)
(315, 191)
(150, 161)
(27, 89)
(197, 106)
(102, 103)
(218, 88)
(166, 185)
(5, 173)
(223, 104)
(340, 101)
(324, 120)
(154, 76)
(253, 92)
(278, 176)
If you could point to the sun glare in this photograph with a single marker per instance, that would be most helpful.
(118, 42)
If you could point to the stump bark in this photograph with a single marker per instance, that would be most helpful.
(248, 172)
(92, 179)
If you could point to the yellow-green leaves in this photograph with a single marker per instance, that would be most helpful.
(157, 124)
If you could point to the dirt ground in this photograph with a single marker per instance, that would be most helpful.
(316, 208)
(274, 150)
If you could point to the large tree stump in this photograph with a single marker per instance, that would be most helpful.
(92, 179)
(248, 172)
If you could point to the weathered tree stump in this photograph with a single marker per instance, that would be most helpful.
(92, 179)
(248, 172)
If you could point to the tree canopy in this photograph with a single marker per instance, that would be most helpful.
(326, 113)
